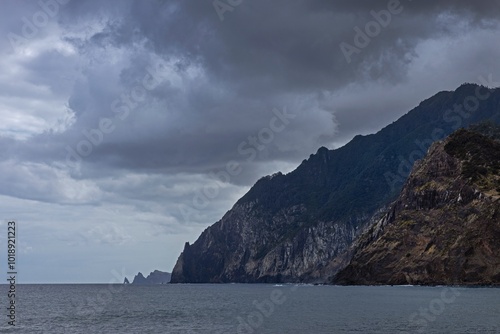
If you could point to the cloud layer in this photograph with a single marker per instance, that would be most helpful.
(130, 126)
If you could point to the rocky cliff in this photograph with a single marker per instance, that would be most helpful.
(445, 226)
(300, 226)
(248, 245)
(155, 277)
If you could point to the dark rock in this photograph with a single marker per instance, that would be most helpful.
(156, 277)
(139, 279)
(445, 226)
(300, 227)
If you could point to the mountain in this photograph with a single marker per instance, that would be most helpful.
(299, 227)
(445, 226)
(156, 277)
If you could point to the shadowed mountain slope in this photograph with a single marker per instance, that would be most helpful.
(445, 226)
(298, 227)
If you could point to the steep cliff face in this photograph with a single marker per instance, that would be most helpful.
(299, 226)
(249, 245)
(445, 226)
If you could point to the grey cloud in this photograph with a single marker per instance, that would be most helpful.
(222, 82)
(245, 70)
(254, 61)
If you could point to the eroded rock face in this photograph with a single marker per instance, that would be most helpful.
(445, 226)
(246, 247)
(300, 227)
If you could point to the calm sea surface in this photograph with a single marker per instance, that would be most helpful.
(239, 308)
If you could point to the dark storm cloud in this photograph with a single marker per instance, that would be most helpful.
(294, 45)
(262, 51)
(204, 89)
(226, 77)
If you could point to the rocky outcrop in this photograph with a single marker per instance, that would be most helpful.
(155, 277)
(445, 226)
(234, 250)
(139, 279)
(158, 277)
(300, 227)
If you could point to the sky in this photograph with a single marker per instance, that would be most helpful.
(130, 126)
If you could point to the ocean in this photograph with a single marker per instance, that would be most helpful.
(251, 308)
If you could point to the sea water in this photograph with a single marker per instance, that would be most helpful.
(251, 308)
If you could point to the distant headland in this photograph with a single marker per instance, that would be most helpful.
(155, 277)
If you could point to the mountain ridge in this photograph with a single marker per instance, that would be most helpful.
(444, 229)
(299, 227)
